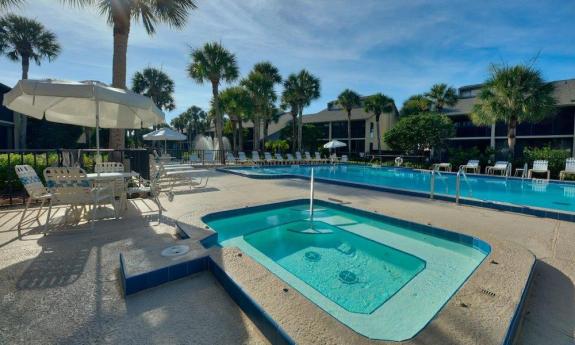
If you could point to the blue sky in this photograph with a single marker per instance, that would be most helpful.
(396, 47)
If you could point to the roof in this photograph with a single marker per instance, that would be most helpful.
(564, 94)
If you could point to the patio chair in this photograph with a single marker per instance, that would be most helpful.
(472, 165)
(290, 159)
(442, 166)
(256, 157)
(539, 167)
(150, 187)
(318, 158)
(268, 158)
(279, 158)
(107, 167)
(299, 158)
(344, 158)
(501, 167)
(35, 189)
(70, 186)
(569, 168)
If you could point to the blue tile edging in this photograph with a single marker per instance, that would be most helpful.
(135, 283)
(532, 211)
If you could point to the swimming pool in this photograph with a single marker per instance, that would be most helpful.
(524, 194)
(382, 277)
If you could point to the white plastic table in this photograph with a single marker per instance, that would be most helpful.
(110, 177)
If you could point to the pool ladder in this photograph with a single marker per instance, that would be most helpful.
(458, 184)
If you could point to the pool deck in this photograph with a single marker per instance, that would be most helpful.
(64, 288)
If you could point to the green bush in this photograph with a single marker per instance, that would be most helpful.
(277, 146)
(460, 156)
(9, 179)
(555, 157)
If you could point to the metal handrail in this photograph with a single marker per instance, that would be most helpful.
(434, 171)
(458, 184)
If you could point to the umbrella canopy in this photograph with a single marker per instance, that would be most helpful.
(84, 103)
(165, 134)
(334, 144)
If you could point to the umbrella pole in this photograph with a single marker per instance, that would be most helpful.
(98, 158)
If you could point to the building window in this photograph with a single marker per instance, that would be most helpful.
(339, 129)
(358, 129)
(371, 129)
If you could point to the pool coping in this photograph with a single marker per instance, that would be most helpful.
(496, 205)
(514, 261)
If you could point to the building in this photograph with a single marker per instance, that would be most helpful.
(6, 122)
(557, 130)
(332, 122)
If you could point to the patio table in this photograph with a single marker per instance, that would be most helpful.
(109, 178)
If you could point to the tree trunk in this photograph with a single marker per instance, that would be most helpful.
(121, 34)
(266, 125)
(511, 136)
(235, 136)
(219, 124)
(21, 121)
(241, 135)
(256, 133)
(349, 131)
(293, 131)
(300, 129)
(378, 134)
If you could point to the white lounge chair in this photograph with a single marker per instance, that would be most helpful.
(268, 158)
(472, 165)
(501, 167)
(256, 157)
(242, 159)
(539, 167)
(230, 158)
(344, 158)
(318, 158)
(279, 158)
(35, 189)
(150, 187)
(569, 168)
(299, 158)
(290, 159)
(70, 186)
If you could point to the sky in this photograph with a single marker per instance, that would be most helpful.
(399, 48)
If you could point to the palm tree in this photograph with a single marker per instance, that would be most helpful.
(441, 95)
(213, 63)
(378, 104)
(513, 94)
(289, 102)
(157, 85)
(305, 88)
(237, 103)
(6, 4)
(348, 100)
(272, 77)
(23, 39)
(261, 91)
(416, 104)
(120, 14)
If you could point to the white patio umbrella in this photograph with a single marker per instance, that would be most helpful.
(165, 134)
(334, 144)
(84, 103)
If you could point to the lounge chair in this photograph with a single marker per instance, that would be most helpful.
(290, 159)
(344, 158)
(472, 165)
(539, 167)
(230, 158)
(501, 167)
(242, 159)
(268, 158)
(569, 168)
(256, 157)
(299, 158)
(35, 189)
(150, 187)
(442, 166)
(279, 158)
(318, 158)
(70, 186)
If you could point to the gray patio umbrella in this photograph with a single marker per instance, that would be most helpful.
(85, 103)
(165, 134)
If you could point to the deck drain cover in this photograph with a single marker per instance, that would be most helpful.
(312, 256)
(348, 277)
(176, 250)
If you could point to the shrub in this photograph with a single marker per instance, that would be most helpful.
(555, 157)
(9, 179)
(277, 146)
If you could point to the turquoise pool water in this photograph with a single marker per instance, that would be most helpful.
(531, 193)
(382, 277)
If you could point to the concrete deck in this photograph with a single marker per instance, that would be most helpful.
(63, 288)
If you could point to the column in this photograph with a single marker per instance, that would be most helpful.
(492, 141)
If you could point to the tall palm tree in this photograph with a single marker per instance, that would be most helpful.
(513, 94)
(348, 100)
(305, 88)
(120, 14)
(441, 95)
(23, 39)
(378, 104)
(237, 103)
(289, 102)
(157, 85)
(261, 91)
(6, 4)
(416, 104)
(213, 63)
